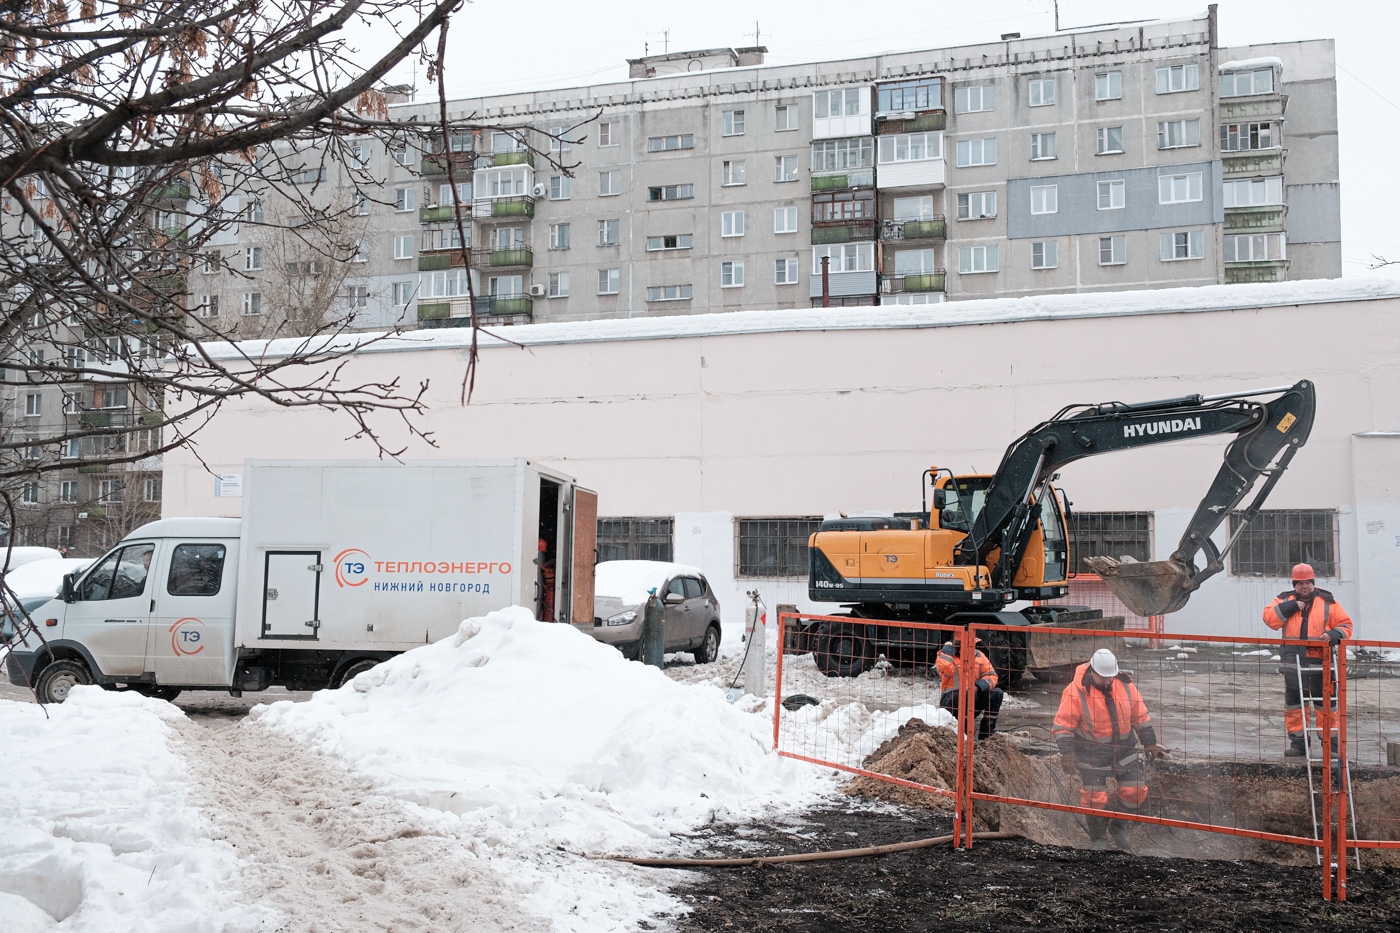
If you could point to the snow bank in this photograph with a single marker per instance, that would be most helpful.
(99, 836)
(631, 580)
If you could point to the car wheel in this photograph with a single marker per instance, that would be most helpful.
(354, 670)
(168, 694)
(709, 646)
(843, 649)
(60, 677)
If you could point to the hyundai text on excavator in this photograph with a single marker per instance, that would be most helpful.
(990, 540)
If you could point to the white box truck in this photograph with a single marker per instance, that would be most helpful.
(333, 567)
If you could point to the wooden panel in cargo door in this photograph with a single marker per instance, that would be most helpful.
(585, 554)
(891, 555)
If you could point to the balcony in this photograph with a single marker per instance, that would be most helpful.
(505, 304)
(498, 258)
(442, 259)
(115, 419)
(509, 207)
(844, 284)
(1254, 219)
(1272, 270)
(925, 282)
(842, 233)
(435, 215)
(445, 309)
(1253, 162)
(1251, 108)
(513, 158)
(177, 190)
(935, 228)
(175, 283)
(862, 178)
(921, 173)
(888, 123)
(461, 163)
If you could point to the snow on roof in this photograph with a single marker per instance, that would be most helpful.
(946, 314)
(1247, 63)
(631, 580)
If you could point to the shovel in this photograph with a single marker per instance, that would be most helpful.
(1148, 588)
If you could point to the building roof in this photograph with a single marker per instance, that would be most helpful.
(885, 317)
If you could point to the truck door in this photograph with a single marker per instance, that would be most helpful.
(193, 631)
(113, 610)
(583, 553)
(291, 594)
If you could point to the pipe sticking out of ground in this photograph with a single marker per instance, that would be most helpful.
(805, 856)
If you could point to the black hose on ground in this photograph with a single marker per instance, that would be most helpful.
(804, 856)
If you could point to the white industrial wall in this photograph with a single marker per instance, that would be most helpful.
(807, 422)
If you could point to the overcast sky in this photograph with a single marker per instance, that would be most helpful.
(499, 46)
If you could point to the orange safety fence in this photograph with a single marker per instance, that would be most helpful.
(1368, 702)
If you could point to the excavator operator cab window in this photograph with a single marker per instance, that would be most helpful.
(963, 499)
(1052, 527)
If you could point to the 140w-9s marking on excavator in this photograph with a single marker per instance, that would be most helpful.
(1162, 427)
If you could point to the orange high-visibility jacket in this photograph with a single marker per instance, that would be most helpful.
(948, 667)
(1323, 615)
(1084, 713)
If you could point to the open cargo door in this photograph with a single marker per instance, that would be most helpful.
(584, 554)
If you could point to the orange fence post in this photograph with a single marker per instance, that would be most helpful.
(1324, 717)
(778, 686)
(1346, 779)
(967, 698)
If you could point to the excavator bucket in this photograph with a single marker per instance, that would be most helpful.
(1149, 588)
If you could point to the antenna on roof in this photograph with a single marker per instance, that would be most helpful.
(757, 36)
(665, 42)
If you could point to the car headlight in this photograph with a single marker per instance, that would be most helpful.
(623, 618)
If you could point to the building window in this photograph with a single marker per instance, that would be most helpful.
(1112, 195)
(1277, 539)
(1110, 140)
(911, 147)
(111, 490)
(504, 238)
(977, 152)
(505, 286)
(774, 547)
(975, 99)
(254, 213)
(918, 208)
(911, 96)
(1044, 255)
(731, 274)
(1108, 534)
(435, 240)
(671, 193)
(557, 142)
(359, 296)
(212, 258)
(70, 449)
(663, 243)
(1246, 83)
(1108, 85)
(33, 404)
(786, 118)
(361, 207)
(1176, 189)
(668, 143)
(785, 220)
(1255, 247)
(559, 285)
(977, 205)
(1174, 78)
(502, 182)
(1253, 192)
(404, 156)
(209, 306)
(1043, 92)
(1173, 134)
(833, 155)
(252, 303)
(785, 271)
(449, 283)
(610, 134)
(1113, 250)
(1182, 244)
(68, 491)
(361, 251)
(609, 281)
(359, 155)
(29, 493)
(401, 293)
(635, 539)
(608, 232)
(405, 199)
(839, 103)
(733, 122)
(668, 293)
(403, 246)
(734, 172)
(974, 259)
(506, 142)
(151, 490)
(785, 168)
(253, 258)
(1042, 146)
(914, 262)
(844, 257)
(1241, 137)
(1045, 199)
(558, 236)
(843, 206)
(610, 183)
(732, 223)
(560, 187)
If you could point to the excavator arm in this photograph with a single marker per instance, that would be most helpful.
(1267, 435)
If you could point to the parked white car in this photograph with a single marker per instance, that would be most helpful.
(620, 592)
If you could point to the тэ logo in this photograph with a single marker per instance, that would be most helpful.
(351, 565)
(185, 639)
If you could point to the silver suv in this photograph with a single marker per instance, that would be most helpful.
(690, 606)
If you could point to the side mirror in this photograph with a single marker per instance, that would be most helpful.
(67, 594)
(674, 599)
(940, 499)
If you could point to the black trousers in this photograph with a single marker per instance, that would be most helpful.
(985, 701)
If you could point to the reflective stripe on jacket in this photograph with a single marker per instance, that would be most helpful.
(949, 668)
(1322, 614)
(1085, 715)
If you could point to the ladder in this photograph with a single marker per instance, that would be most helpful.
(1312, 731)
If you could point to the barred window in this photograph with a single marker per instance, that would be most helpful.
(774, 547)
(635, 539)
(1108, 534)
(1279, 538)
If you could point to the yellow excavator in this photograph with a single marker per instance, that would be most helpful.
(990, 540)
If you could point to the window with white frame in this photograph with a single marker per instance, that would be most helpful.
(1247, 83)
(252, 304)
(1045, 199)
(1182, 244)
(914, 262)
(252, 258)
(435, 240)
(1177, 189)
(668, 143)
(977, 205)
(1254, 192)
(975, 99)
(361, 253)
(405, 199)
(911, 96)
(33, 404)
(609, 281)
(1113, 250)
(911, 147)
(358, 296)
(833, 155)
(733, 121)
(1110, 139)
(362, 205)
(504, 238)
(359, 155)
(151, 490)
(785, 271)
(1174, 78)
(1255, 247)
(508, 182)
(844, 102)
(671, 193)
(1173, 134)
(610, 183)
(209, 306)
(1242, 137)
(977, 152)
(785, 168)
(560, 187)
(786, 118)
(254, 213)
(785, 220)
(559, 285)
(1108, 85)
(401, 293)
(212, 261)
(557, 141)
(731, 274)
(1042, 92)
(657, 244)
(403, 246)
(609, 232)
(916, 208)
(610, 134)
(506, 142)
(976, 259)
(68, 491)
(733, 172)
(403, 155)
(464, 193)
(845, 257)
(1112, 194)
(32, 452)
(558, 236)
(505, 286)
(668, 293)
(1042, 146)
(1045, 255)
(71, 448)
(732, 223)
(447, 283)
(29, 493)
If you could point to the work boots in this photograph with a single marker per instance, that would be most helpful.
(1098, 831)
(986, 727)
(1296, 747)
(1118, 832)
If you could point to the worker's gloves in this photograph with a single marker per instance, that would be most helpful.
(1156, 751)
(984, 685)
(1335, 635)
(1067, 764)
(1287, 607)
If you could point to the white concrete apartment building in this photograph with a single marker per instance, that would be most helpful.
(1135, 156)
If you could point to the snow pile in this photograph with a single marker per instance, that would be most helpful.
(99, 836)
(631, 580)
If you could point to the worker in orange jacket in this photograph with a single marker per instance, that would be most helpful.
(988, 698)
(1317, 621)
(1098, 726)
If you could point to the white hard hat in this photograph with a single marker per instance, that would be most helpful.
(1104, 663)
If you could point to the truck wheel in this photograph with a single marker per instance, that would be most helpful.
(842, 649)
(56, 680)
(168, 694)
(709, 646)
(354, 670)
